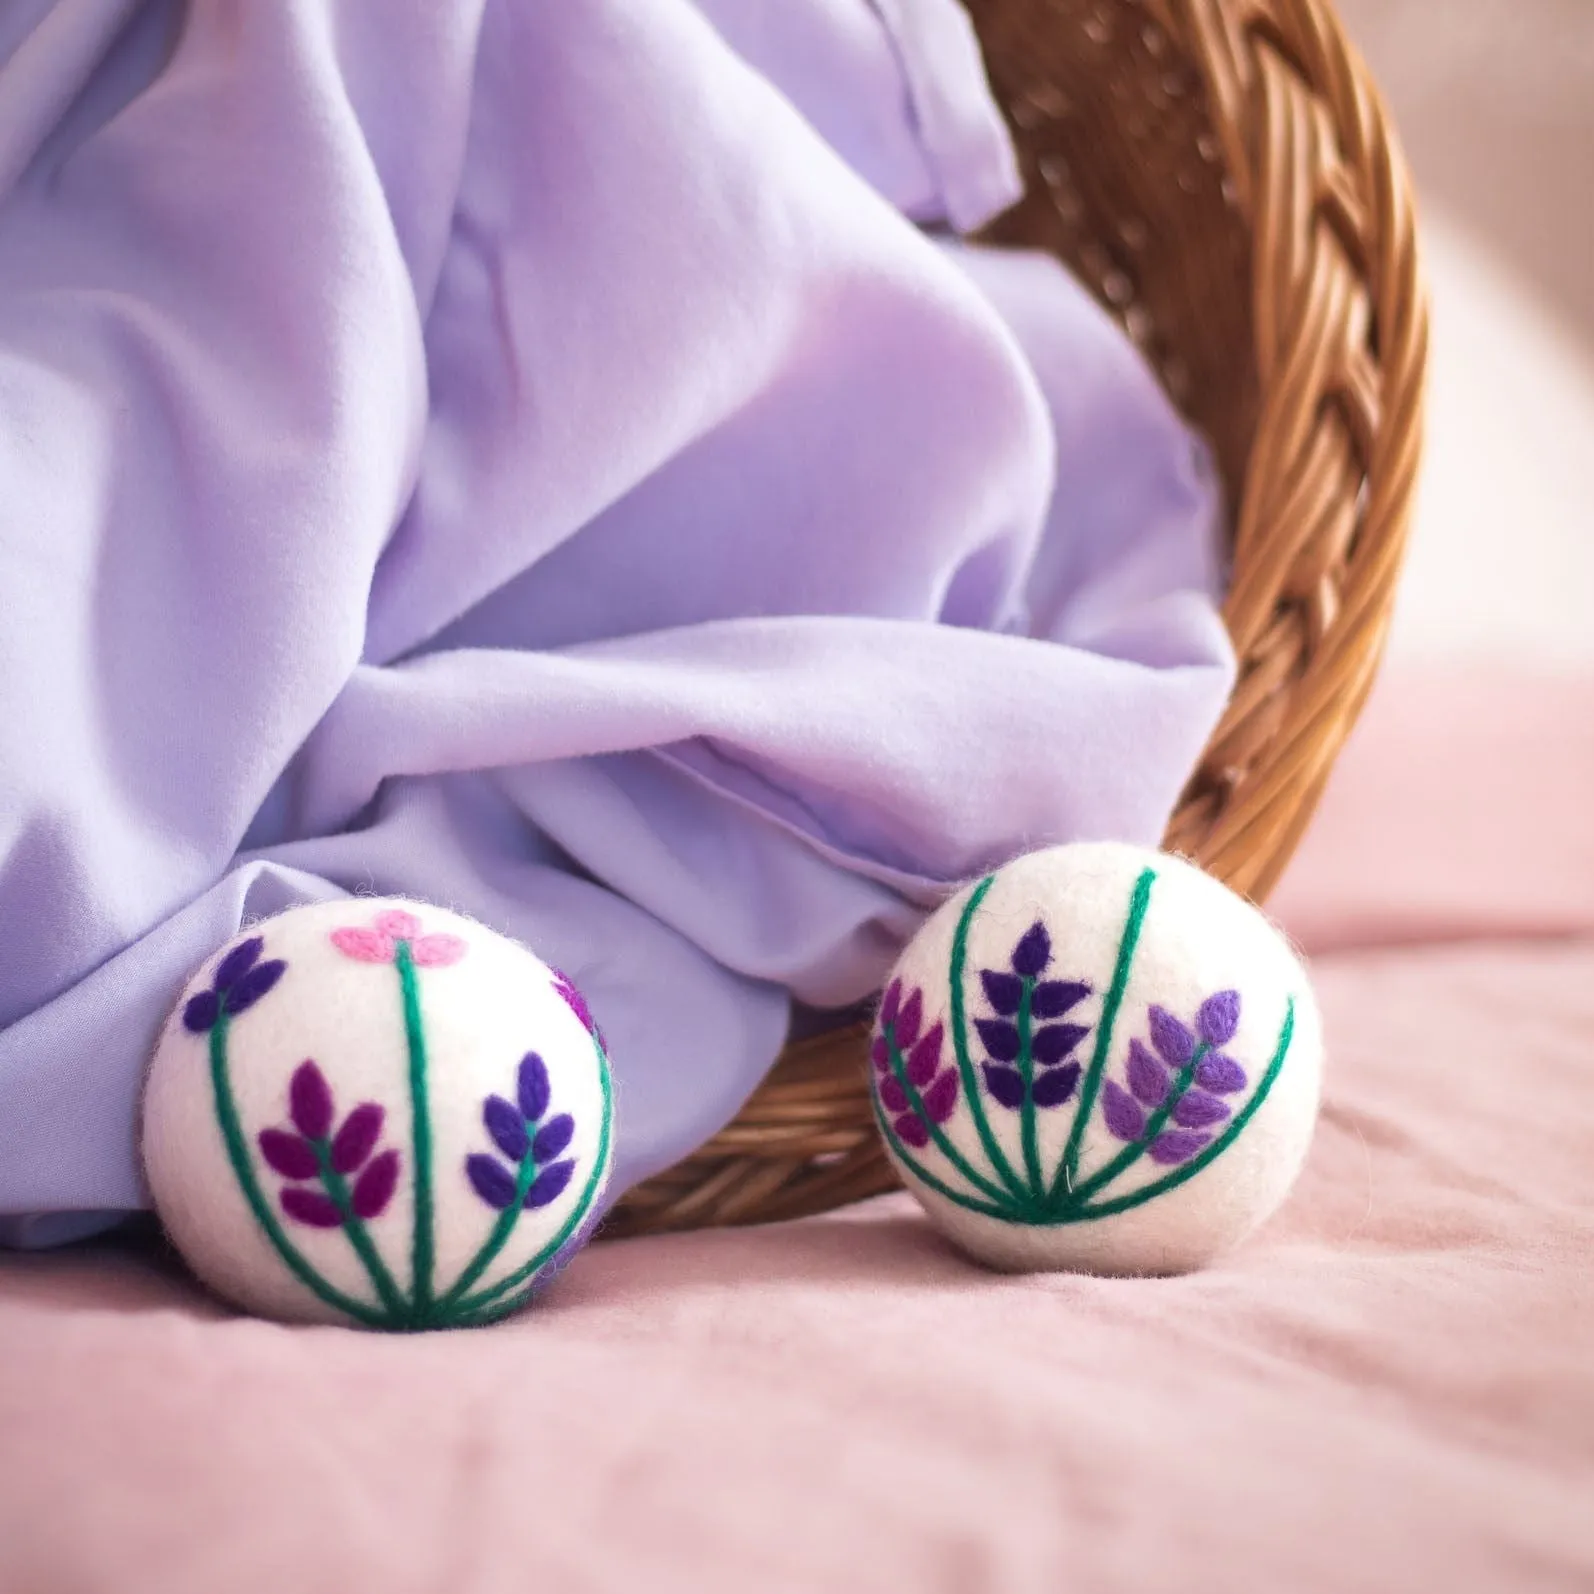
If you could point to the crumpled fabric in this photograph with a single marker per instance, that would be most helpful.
(554, 461)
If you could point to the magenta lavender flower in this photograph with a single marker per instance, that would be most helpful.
(240, 980)
(913, 1087)
(311, 1150)
(577, 1003)
(535, 1174)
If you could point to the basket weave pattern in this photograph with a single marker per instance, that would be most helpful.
(1222, 174)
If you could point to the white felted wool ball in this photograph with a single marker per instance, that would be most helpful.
(1098, 1059)
(377, 1112)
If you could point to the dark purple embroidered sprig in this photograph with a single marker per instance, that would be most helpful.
(531, 1141)
(310, 1150)
(240, 980)
(1181, 1077)
(901, 1021)
(1052, 1044)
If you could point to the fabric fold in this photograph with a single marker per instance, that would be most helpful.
(528, 458)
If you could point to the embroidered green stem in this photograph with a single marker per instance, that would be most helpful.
(337, 1189)
(1068, 1169)
(1000, 1166)
(899, 1067)
(1154, 1127)
(497, 1239)
(483, 1306)
(1190, 1169)
(1006, 1210)
(423, 1244)
(238, 1155)
(1026, 1068)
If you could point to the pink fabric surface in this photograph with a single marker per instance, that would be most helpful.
(1462, 805)
(1390, 1388)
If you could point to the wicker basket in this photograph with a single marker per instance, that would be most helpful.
(1222, 173)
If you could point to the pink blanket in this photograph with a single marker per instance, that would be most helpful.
(1391, 1388)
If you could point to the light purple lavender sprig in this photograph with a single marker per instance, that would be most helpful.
(1180, 1078)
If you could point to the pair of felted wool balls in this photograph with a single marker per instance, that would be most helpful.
(1096, 1058)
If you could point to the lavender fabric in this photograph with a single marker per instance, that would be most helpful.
(528, 457)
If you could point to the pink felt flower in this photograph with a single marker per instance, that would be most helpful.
(380, 942)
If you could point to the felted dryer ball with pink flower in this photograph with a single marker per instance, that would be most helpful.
(379, 1113)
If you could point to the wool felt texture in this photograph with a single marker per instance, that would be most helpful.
(1098, 1058)
(380, 1113)
(525, 457)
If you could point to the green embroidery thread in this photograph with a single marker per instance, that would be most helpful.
(960, 1040)
(1028, 1129)
(243, 1170)
(423, 1241)
(1139, 905)
(337, 1188)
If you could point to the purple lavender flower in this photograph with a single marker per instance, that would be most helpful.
(1181, 1077)
(1053, 998)
(240, 980)
(1004, 1085)
(1003, 991)
(530, 1140)
(900, 1021)
(1125, 1117)
(1174, 1042)
(532, 1087)
(1219, 1072)
(1218, 1018)
(1052, 1087)
(1033, 952)
(1197, 1110)
(1148, 1079)
(297, 1154)
(1176, 1146)
(1051, 1044)
(999, 1038)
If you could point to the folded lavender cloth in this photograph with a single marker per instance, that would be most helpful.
(528, 457)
